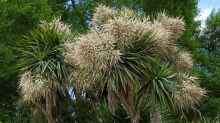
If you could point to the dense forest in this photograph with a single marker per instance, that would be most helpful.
(108, 61)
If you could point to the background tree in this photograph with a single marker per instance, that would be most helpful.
(210, 37)
(209, 58)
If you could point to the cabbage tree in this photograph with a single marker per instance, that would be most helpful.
(44, 74)
(137, 61)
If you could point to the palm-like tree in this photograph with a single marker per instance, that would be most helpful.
(137, 61)
(44, 72)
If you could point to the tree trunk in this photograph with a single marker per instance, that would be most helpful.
(50, 119)
(136, 118)
(50, 108)
(155, 116)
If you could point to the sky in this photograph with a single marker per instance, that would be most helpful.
(205, 8)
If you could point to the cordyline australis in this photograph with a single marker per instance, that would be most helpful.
(137, 60)
(44, 79)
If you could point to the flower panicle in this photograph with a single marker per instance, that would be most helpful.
(183, 61)
(96, 49)
(174, 25)
(189, 94)
(32, 87)
(57, 24)
(102, 15)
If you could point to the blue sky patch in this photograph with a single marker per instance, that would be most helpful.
(205, 8)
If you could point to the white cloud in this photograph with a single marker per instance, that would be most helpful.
(203, 14)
